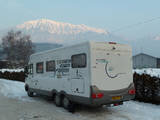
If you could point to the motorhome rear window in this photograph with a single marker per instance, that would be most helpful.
(50, 66)
(79, 60)
(39, 67)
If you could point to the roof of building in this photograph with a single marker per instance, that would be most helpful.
(145, 55)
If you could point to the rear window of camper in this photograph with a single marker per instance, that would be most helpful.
(79, 60)
(39, 67)
(50, 66)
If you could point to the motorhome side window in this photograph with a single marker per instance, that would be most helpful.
(39, 67)
(30, 68)
(50, 66)
(79, 60)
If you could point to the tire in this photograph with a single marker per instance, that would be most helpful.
(26, 87)
(68, 105)
(58, 100)
(30, 94)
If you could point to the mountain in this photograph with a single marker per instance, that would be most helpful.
(45, 32)
(50, 31)
(54, 27)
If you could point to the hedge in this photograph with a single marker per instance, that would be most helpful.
(16, 76)
(147, 88)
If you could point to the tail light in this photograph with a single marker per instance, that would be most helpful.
(97, 95)
(132, 91)
(112, 43)
(116, 104)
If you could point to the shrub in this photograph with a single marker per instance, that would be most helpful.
(147, 88)
(16, 76)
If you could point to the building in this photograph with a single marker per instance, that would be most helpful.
(145, 61)
(158, 62)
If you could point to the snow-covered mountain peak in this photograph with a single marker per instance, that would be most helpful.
(54, 27)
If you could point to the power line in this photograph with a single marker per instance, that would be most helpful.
(134, 25)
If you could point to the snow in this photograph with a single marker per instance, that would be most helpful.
(55, 27)
(130, 110)
(11, 70)
(136, 111)
(150, 71)
(13, 89)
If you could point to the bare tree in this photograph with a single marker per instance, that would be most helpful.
(17, 47)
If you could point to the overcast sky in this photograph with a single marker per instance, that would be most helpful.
(107, 14)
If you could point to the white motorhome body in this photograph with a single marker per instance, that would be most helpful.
(91, 73)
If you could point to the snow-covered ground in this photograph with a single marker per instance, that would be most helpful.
(38, 109)
(11, 70)
(150, 71)
(13, 89)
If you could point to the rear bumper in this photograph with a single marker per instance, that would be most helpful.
(106, 99)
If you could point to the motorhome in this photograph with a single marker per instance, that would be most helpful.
(89, 73)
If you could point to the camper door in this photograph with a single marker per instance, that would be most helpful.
(62, 73)
(30, 75)
(78, 72)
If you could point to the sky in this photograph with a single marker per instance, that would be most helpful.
(111, 15)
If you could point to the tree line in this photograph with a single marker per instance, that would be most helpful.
(17, 48)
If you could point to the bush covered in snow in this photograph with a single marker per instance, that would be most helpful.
(11, 70)
(154, 72)
(147, 87)
(16, 75)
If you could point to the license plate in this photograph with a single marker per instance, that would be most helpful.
(116, 97)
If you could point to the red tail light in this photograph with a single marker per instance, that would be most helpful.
(132, 91)
(97, 95)
(100, 95)
(112, 43)
(116, 104)
(94, 96)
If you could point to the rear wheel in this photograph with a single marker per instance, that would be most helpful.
(67, 104)
(58, 100)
